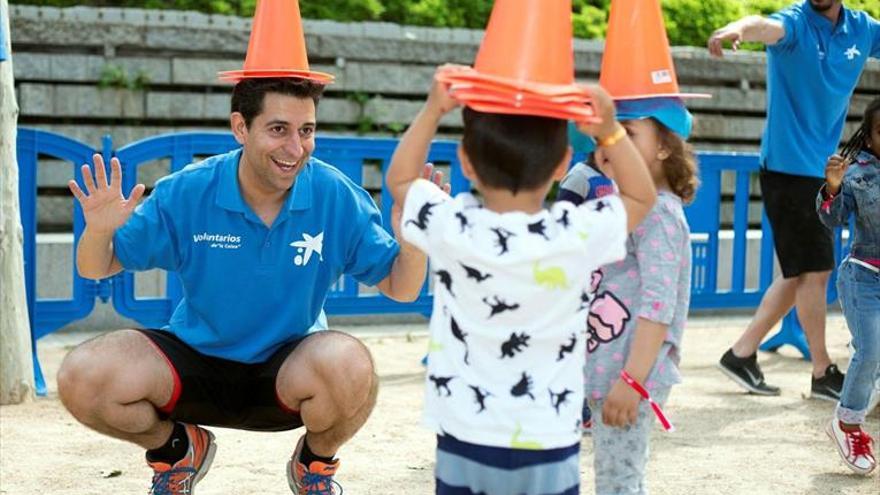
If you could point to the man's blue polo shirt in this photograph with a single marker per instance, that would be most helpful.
(249, 288)
(811, 74)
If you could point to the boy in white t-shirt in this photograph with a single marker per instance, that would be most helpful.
(504, 383)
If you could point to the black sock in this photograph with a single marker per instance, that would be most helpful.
(306, 456)
(174, 449)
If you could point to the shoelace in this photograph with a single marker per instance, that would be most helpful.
(860, 443)
(162, 481)
(320, 484)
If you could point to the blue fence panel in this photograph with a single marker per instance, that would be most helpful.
(704, 218)
(350, 155)
(3, 55)
(47, 315)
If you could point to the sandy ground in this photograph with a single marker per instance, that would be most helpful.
(726, 441)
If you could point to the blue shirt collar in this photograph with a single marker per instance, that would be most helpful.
(823, 22)
(229, 194)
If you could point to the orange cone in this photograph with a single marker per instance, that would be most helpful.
(637, 62)
(525, 64)
(529, 42)
(277, 46)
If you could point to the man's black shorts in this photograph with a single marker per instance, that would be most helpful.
(803, 244)
(212, 391)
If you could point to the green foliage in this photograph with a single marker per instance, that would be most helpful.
(765, 7)
(691, 22)
(870, 6)
(589, 21)
(445, 13)
(342, 10)
(688, 22)
(114, 76)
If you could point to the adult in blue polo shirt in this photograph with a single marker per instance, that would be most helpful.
(816, 51)
(257, 237)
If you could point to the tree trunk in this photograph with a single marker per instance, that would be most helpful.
(16, 360)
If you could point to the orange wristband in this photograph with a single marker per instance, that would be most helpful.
(611, 140)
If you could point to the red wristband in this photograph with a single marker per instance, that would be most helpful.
(645, 395)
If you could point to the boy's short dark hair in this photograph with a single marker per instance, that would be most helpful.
(248, 94)
(513, 152)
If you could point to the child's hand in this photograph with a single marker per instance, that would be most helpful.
(604, 106)
(428, 173)
(621, 407)
(834, 171)
(440, 99)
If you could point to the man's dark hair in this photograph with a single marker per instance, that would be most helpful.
(513, 152)
(858, 142)
(248, 94)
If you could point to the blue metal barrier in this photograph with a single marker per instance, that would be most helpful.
(48, 315)
(704, 219)
(350, 155)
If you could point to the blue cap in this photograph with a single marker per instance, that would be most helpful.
(669, 111)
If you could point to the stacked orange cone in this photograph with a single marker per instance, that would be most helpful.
(525, 65)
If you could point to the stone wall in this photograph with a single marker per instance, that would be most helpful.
(135, 73)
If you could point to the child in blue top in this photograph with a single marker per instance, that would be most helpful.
(852, 186)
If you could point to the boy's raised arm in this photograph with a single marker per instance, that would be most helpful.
(630, 172)
(409, 158)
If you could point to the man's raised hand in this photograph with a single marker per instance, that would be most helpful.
(104, 207)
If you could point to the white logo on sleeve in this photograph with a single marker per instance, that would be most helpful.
(852, 52)
(306, 247)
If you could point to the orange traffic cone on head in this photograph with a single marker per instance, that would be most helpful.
(637, 71)
(277, 46)
(637, 62)
(525, 64)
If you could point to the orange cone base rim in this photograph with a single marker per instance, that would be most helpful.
(460, 91)
(499, 103)
(238, 75)
(560, 113)
(515, 98)
(487, 80)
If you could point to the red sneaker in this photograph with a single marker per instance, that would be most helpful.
(854, 447)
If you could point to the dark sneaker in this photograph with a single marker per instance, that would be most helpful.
(586, 420)
(829, 386)
(746, 373)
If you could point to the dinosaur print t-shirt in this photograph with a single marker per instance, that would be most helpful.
(652, 282)
(507, 344)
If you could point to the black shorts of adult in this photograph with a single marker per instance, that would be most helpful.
(211, 391)
(803, 244)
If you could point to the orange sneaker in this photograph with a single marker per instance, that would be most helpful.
(315, 479)
(181, 478)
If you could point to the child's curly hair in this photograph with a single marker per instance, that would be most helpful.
(680, 167)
